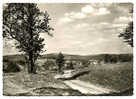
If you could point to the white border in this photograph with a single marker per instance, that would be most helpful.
(76, 1)
(66, 1)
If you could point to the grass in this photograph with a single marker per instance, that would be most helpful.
(50, 91)
(118, 77)
(24, 84)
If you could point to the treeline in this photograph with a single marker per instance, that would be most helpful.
(14, 58)
(112, 58)
(107, 58)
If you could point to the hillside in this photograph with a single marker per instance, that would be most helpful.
(124, 57)
(116, 76)
(86, 57)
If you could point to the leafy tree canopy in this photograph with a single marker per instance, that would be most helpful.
(24, 22)
(127, 34)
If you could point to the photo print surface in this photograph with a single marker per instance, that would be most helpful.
(67, 49)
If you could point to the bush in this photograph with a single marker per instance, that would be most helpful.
(10, 67)
(70, 66)
(49, 65)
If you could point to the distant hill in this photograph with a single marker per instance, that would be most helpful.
(13, 57)
(88, 57)
(72, 57)
(67, 56)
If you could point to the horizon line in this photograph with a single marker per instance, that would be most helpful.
(71, 54)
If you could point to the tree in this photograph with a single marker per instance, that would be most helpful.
(60, 61)
(85, 63)
(127, 34)
(71, 65)
(107, 58)
(24, 22)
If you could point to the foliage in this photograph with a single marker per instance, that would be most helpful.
(127, 34)
(70, 65)
(24, 22)
(110, 58)
(117, 58)
(10, 67)
(49, 65)
(60, 61)
(85, 63)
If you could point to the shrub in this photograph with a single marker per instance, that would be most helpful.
(10, 67)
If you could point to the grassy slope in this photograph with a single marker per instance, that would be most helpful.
(115, 76)
(22, 82)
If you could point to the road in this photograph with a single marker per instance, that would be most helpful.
(87, 88)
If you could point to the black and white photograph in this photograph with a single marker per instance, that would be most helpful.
(67, 49)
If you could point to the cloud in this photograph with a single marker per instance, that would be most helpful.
(87, 28)
(74, 15)
(70, 17)
(64, 20)
(119, 25)
(85, 12)
(87, 9)
(96, 9)
(102, 11)
(82, 25)
(100, 5)
(123, 19)
(102, 26)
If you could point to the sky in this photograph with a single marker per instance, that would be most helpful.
(83, 28)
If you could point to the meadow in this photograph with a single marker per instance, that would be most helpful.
(115, 76)
(118, 77)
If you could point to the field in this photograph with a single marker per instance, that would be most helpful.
(117, 76)
(21, 83)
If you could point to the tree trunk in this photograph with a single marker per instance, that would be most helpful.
(59, 69)
(31, 67)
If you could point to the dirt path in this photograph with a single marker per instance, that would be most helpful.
(87, 88)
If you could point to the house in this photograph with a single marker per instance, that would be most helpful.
(93, 62)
